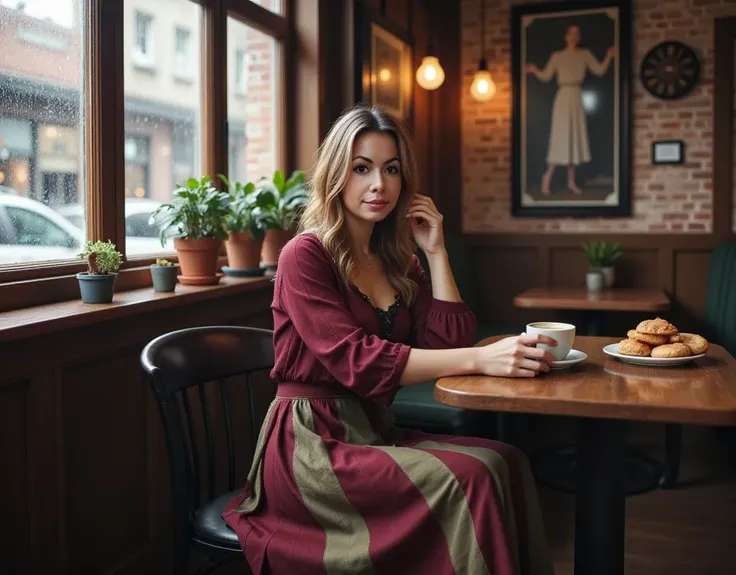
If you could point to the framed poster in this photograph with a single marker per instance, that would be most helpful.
(571, 111)
(384, 58)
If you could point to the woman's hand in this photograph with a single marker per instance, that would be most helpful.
(611, 52)
(515, 356)
(428, 232)
(532, 69)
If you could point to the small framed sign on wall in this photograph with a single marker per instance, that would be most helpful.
(668, 152)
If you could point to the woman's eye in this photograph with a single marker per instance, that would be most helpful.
(361, 169)
(392, 170)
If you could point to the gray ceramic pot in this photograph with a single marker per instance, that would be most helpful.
(96, 288)
(164, 277)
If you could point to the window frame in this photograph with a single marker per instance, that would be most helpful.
(38, 283)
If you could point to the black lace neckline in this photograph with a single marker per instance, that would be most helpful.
(386, 317)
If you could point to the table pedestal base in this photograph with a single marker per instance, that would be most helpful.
(600, 503)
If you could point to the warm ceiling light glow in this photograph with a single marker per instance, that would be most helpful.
(384, 75)
(483, 87)
(430, 74)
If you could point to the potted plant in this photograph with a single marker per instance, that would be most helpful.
(602, 257)
(164, 273)
(283, 206)
(245, 225)
(97, 284)
(194, 218)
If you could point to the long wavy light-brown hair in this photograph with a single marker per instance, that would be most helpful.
(324, 214)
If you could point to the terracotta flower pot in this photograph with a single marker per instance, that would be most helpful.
(272, 244)
(198, 258)
(243, 252)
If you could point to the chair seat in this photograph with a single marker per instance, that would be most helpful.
(210, 528)
(416, 407)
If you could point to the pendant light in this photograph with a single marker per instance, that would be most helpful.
(483, 87)
(430, 74)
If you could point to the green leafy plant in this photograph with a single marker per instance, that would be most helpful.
(164, 263)
(247, 210)
(102, 257)
(601, 254)
(284, 200)
(197, 210)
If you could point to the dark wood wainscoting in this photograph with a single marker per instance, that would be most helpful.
(508, 264)
(85, 484)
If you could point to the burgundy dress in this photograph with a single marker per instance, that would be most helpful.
(335, 488)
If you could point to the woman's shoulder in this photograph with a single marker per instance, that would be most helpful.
(304, 248)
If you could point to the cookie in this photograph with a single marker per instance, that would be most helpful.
(697, 343)
(671, 350)
(677, 338)
(648, 338)
(656, 326)
(633, 347)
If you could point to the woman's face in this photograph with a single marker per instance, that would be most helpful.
(373, 187)
(572, 36)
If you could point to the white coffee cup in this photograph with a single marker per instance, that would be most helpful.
(562, 333)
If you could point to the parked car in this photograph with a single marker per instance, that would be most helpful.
(30, 231)
(140, 236)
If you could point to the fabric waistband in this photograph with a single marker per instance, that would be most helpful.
(295, 389)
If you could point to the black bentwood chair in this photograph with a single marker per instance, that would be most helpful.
(193, 422)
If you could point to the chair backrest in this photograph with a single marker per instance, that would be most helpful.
(720, 305)
(187, 370)
(461, 263)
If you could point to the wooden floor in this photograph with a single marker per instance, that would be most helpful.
(690, 530)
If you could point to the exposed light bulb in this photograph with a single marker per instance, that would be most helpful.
(430, 74)
(483, 87)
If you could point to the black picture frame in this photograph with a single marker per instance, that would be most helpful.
(384, 57)
(547, 109)
(662, 151)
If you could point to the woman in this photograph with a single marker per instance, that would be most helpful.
(568, 137)
(334, 487)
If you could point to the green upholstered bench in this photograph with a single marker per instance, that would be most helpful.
(414, 405)
(719, 326)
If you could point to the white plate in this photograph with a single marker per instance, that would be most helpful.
(575, 356)
(612, 350)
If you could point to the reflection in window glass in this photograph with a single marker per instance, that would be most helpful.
(252, 100)
(276, 6)
(162, 110)
(41, 109)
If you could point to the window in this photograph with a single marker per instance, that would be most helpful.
(241, 73)
(252, 120)
(41, 161)
(162, 117)
(182, 61)
(143, 47)
(141, 144)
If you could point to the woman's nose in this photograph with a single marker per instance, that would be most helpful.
(377, 182)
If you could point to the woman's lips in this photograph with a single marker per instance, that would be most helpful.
(377, 205)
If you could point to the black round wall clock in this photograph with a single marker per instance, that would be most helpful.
(670, 70)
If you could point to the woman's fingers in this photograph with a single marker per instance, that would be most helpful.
(533, 365)
(424, 213)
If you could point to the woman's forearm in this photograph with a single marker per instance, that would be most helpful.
(443, 281)
(429, 364)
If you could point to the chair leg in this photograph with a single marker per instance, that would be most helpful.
(673, 452)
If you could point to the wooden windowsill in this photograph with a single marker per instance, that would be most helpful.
(44, 319)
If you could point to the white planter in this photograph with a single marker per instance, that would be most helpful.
(609, 276)
(594, 281)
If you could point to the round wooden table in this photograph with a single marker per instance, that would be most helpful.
(604, 393)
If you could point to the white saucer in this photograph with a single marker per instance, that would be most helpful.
(612, 350)
(575, 356)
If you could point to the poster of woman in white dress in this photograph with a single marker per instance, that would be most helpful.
(570, 129)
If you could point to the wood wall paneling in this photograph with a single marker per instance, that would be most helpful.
(88, 487)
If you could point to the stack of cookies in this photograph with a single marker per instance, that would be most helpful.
(659, 338)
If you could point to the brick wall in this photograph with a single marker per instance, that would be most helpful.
(260, 117)
(661, 195)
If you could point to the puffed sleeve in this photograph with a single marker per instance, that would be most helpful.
(308, 291)
(439, 324)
